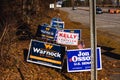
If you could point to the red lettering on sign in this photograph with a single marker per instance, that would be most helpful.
(60, 34)
(75, 36)
(67, 35)
(71, 36)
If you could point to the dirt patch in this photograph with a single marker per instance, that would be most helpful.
(14, 66)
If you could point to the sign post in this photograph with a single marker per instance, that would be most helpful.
(93, 39)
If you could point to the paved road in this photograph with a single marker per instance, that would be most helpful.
(105, 22)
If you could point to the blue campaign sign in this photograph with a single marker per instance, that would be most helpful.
(57, 24)
(80, 60)
(46, 32)
(78, 31)
(56, 19)
(46, 54)
(45, 24)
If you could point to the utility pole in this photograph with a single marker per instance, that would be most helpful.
(73, 4)
(55, 3)
(118, 3)
(93, 39)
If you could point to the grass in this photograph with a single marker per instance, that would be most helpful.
(103, 40)
(31, 71)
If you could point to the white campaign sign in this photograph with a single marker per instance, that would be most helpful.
(51, 5)
(67, 38)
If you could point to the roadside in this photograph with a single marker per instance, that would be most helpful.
(14, 66)
(104, 22)
(107, 28)
(87, 9)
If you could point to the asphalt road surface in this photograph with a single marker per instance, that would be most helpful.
(106, 22)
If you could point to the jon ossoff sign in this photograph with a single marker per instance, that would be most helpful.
(46, 54)
(80, 60)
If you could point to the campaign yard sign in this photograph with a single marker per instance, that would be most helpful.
(51, 6)
(46, 32)
(57, 24)
(46, 54)
(67, 38)
(78, 31)
(56, 19)
(80, 60)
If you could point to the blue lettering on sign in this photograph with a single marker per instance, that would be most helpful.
(80, 60)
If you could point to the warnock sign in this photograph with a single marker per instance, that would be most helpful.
(67, 38)
(46, 54)
(78, 31)
(80, 60)
(46, 32)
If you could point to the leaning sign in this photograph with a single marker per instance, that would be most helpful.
(67, 38)
(46, 32)
(46, 54)
(80, 60)
(57, 24)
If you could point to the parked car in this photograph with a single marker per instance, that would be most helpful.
(114, 11)
(99, 10)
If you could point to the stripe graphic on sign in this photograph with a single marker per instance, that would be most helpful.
(45, 59)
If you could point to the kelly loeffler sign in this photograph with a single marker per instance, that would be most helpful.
(67, 38)
(80, 60)
(46, 54)
(78, 31)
